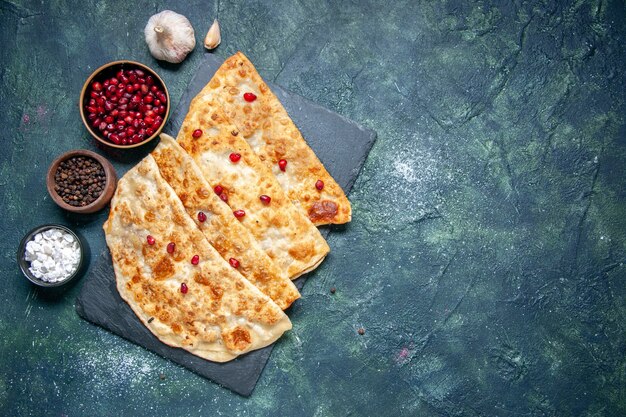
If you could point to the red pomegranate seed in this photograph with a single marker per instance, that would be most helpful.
(183, 288)
(224, 197)
(239, 213)
(97, 86)
(151, 240)
(249, 97)
(218, 189)
(319, 184)
(233, 262)
(201, 217)
(265, 199)
(197, 133)
(235, 157)
(282, 164)
(195, 260)
(171, 247)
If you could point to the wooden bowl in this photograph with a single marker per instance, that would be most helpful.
(105, 196)
(106, 71)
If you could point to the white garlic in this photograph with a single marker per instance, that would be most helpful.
(213, 36)
(169, 36)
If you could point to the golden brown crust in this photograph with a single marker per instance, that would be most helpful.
(273, 136)
(222, 315)
(225, 233)
(282, 231)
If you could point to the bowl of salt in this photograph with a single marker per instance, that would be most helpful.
(51, 255)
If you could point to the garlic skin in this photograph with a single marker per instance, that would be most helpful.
(213, 36)
(170, 36)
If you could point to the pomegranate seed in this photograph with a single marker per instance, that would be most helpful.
(218, 189)
(282, 164)
(140, 73)
(94, 94)
(171, 247)
(157, 102)
(196, 133)
(201, 217)
(319, 184)
(249, 97)
(154, 88)
(114, 81)
(149, 120)
(235, 157)
(149, 80)
(195, 260)
(239, 213)
(149, 131)
(233, 262)
(109, 119)
(265, 199)
(148, 99)
(97, 86)
(151, 240)
(129, 88)
(224, 197)
(115, 139)
(183, 288)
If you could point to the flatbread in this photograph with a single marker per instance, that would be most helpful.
(273, 136)
(281, 229)
(225, 233)
(222, 315)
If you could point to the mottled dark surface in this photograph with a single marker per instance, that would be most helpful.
(486, 256)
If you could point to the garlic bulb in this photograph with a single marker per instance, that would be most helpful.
(213, 36)
(169, 36)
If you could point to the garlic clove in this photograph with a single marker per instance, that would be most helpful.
(170, 36)
(213, 36)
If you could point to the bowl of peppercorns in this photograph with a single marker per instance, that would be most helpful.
(81, 181)
(124, 104)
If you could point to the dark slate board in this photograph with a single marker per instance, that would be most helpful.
(340, 144)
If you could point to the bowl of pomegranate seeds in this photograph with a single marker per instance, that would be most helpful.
(124, 104)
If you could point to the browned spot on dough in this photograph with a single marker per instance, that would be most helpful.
(237, 339)
(163, 269)
(323, 211)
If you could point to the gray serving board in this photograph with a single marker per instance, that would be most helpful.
(341, 145)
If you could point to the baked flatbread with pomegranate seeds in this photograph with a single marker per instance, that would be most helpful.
(221, 315)
(225, 233)
(282, 230)
(273, 136)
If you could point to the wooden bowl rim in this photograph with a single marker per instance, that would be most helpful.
(94, 75)
(109, 185)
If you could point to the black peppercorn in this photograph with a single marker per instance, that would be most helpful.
(79, 180)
